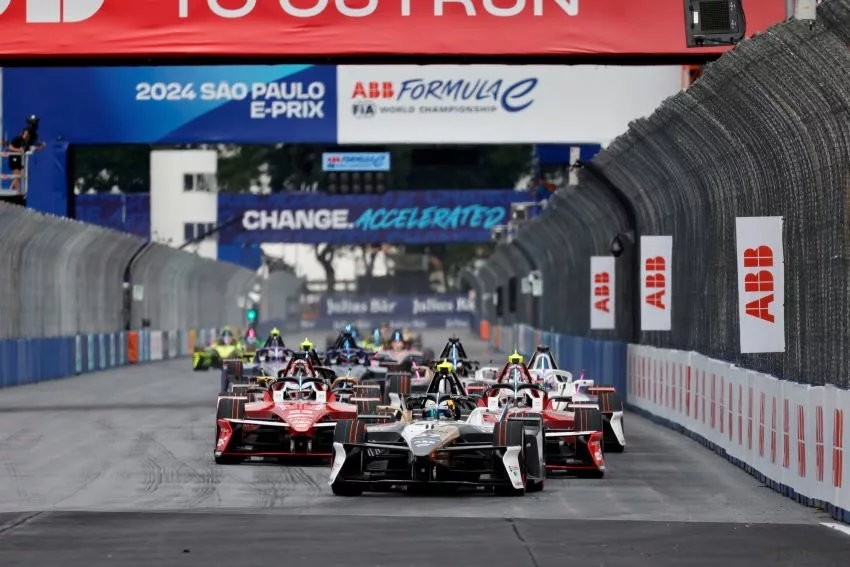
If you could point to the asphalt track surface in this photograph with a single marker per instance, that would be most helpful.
(116, 468)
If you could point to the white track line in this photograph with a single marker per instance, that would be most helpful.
(843, 528)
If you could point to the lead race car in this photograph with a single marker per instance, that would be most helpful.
(573, 437)
(293, 415)
(438, 438)
(542, 367)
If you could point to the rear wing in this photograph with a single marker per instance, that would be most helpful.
(366, 397)
(596, 390)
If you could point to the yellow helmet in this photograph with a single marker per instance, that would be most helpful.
(306, 345)
(275, 332)
(445, 366)
(515, 358)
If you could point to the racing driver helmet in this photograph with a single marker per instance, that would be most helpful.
(226, 336)
(445, 411)
(295, 391)
(515, 358)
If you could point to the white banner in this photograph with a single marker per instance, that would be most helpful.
(656, 257)
(492, 104)
(602, 286)
(791, 433)
(761, 284)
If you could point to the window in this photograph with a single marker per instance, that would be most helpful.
(195, 230)
(200, 182)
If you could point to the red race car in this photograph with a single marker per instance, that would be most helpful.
(573, 438)
(295, 415)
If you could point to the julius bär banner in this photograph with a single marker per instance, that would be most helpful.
(149, 105)
(398, 217)
(226, 28)
(367, 322)
(491, 104)
(395, 306)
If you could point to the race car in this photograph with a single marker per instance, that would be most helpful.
(483, 378)
(401, 340)
(296, 416)
(246, 378)
(250, 343)
(418, 367)
(374, 340)
(273, 359)
(433, 445)
(274, 340)
(574, 437)
(454, 352)
(332, 341)
(542, 366)
(383, 359)
(226, 346)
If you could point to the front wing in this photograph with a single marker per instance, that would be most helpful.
(377, 464)
(240, 439)
(569, 450)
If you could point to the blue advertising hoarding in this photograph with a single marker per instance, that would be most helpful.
(150, 105)
(127, 213)
(409, 217)
(356, 161)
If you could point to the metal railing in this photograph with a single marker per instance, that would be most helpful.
(8, 179)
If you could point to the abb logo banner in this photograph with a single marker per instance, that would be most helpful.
(602, 287)
(146, 28)
(761, 284)
(656, 256)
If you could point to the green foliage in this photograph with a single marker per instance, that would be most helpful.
(291, 166)
(102, 167)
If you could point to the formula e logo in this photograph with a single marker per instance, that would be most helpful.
(57, 11)
(364, 109)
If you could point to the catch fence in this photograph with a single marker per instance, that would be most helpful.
(76, 297)
(764, 132)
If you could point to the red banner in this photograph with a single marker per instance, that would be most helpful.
(140, 28)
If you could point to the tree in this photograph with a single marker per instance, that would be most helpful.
(369, 253)
(325, 254)
(290, 166)
(103, 167)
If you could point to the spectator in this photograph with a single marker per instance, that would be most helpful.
(20, 146)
